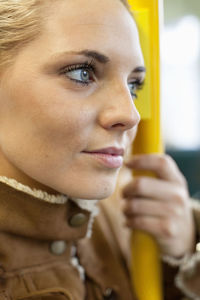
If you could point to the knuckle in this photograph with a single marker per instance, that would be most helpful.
(168, 229)
(138, 184)
(179, 197)
(164, 161)
(175, 211)
(130, 210)
(139, 222)
(138, 207)
(135, 205)
(169, 159)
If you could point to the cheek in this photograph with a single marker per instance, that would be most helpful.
(67, 128)
(45, 118)
(62, 119)
(48, 120)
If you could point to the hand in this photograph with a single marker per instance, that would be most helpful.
(160, 206)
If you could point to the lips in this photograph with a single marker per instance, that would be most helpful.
(111, 151)
(111, 157)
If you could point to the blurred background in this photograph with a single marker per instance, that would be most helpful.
(180, 69)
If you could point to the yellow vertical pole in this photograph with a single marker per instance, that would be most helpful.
(146, 267)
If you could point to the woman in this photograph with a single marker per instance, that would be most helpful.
(69, 75)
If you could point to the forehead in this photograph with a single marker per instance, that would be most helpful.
(77, 24)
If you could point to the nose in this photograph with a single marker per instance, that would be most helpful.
(119, 111)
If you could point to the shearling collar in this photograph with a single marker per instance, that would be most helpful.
(32, 220)
(56, 200)
(29, 227)
(29, 222)
(26, 217)
(88, 205)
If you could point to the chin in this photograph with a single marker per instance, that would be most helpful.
(92, 194)
(97, 191)
(93, 186)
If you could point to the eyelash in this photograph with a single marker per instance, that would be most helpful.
(87, 66)
(90, 67)
(138, 85)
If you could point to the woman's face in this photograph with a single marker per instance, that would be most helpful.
(68, 95)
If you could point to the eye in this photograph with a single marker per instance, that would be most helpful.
(134, 87)
(80, 74)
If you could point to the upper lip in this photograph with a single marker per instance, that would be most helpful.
(109, 150)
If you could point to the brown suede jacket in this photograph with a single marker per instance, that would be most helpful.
(45, 254)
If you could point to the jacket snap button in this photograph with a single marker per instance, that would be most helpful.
(198, 247)
(58, 247)
(78, 220)
(109, 294)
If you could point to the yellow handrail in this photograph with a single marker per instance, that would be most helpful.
(146, 267)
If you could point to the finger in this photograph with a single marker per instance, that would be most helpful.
(160, 228)
(163, 166)
(148, 187)
(148, 207)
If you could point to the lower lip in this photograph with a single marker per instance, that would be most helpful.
(108, 160)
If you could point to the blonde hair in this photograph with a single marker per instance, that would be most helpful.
(20, 23)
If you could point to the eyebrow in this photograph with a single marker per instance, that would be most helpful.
(99, 57)
(140, 69)
(88, 53)
(96, 55)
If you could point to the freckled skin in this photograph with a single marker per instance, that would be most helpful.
(47, 121)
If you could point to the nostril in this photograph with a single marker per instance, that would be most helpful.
(118, 125)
